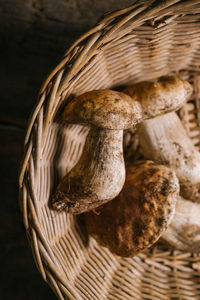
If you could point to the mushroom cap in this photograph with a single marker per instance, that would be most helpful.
(168, 93)
(136, 218)
(103, 108)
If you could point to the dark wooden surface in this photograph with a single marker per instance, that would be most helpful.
(33, 36)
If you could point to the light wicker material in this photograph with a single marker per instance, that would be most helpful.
(143, 42)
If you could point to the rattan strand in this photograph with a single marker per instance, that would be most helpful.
(143, 42)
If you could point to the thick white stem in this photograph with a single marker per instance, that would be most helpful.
(165, 141)
(102, 164)
(183, 233)
(98, 176)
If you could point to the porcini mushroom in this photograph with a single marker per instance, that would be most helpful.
(183, 232)
(137, 217)
(163, 139)
(100, 173)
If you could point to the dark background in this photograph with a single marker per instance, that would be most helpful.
(34, 35)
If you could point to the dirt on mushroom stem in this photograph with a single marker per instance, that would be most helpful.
(98, 176)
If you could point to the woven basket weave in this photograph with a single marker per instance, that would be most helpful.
(143, 42)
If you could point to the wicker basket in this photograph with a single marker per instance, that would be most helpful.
(145, 41)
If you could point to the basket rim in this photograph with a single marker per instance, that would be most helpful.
(147, 10)
(87, 44)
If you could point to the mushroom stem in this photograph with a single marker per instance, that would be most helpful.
(165, 141)
(94, 180)
(183, 233)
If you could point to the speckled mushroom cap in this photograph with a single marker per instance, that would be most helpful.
(136, 218)
(104, 108)
(168, 93)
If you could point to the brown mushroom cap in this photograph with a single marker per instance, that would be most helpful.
(136, 218)
(105, 109)
(168, 93)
